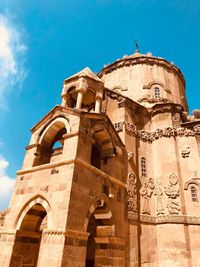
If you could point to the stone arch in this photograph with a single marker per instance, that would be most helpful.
(32, 202)
(99, 224)
(100, 203)
(52, 133)
(191, 182)
(55, 123)
(29, 232)
(152, 84)
(104, 139)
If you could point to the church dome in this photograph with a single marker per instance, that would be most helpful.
(144, 76)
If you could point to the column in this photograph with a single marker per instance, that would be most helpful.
(79, 99)
(98, 105)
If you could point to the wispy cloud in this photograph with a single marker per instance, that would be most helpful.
(12, 58)
(6, 184)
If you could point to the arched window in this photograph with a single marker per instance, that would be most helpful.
(194, 194)
(143, 167)
(157, 92)
(51, 147)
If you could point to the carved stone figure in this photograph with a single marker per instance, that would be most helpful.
(131, 192)
(146, 192)
(185, 152)
(172, 193)
(159, 193)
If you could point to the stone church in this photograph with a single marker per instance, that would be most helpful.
(111, 176)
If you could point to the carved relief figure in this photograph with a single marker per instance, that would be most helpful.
(172, 193)
(159, 193)
(132, 192)
(185, 153)
(146, 192)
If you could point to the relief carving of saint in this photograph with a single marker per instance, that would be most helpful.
(146, 192)
(172, 192)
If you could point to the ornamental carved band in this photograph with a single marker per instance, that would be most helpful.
(130, 128)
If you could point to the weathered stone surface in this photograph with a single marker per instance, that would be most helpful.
(111, 176)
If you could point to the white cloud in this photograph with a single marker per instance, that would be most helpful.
(6, 184)
(12, 57)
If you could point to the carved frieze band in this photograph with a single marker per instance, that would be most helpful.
(165, 219)
(130, 128)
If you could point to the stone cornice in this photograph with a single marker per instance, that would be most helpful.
(100, 173)
(126, 62)
(73, 161)
(68, 233)
(165, 108)
(46, 166)
(175, 219)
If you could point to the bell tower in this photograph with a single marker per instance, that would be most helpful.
(64, 207)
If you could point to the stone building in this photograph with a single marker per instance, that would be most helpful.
(111, 177)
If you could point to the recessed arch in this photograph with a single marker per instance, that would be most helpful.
(99, 223)
(52, 133)
(103, 205)
(104, 140)
(50, 122)
(157, 83)
(53, 127)
(40, 200)
(191, 182)
(29, 227)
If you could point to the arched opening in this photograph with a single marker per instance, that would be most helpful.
(51, 146)
(28, 237)
(96, 156)
(102, 149)
(89, 100)
(71, 97)
(100, 225)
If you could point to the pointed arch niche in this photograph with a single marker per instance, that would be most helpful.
(29, 226)
(51, 142)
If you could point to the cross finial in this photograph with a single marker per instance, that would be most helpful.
(136, 46)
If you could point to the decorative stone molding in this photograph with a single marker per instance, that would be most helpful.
(68, 233)
(196, 114)
(195, 181)
(167, 132)
(156, 82)
(179, 219)
(115, 96)
(168, 107)
(153, 100)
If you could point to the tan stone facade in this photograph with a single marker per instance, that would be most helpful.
(111, 177)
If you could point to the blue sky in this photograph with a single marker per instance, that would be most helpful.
(44, 42)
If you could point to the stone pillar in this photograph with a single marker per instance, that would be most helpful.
(64, 101)
(98, 105)
(110, 251)
(74, 253)
(51, 248)
(79, 99)
(7, 240)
